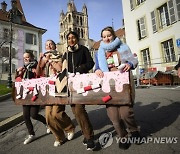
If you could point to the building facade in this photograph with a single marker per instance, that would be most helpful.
(152, 32)
(76, 21)
(21, 35)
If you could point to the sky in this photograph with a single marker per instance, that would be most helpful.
(46, 14)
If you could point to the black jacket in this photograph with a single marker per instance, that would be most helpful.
(80, 60)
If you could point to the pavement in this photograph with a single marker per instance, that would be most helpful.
(11, 114)
(157, 111)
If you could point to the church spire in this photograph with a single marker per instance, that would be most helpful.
(71, 6)
(84, 9)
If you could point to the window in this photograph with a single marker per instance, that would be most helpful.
(69, 18)
(166, 15)
(134, 3)
(171, 11)
(62, 38)
(82, 36)
(145, 56)
(178, 8)
(5, 68)
(141, 28)
(168, 51)
(153, 19)
(78, 31)
(13, 53)
(61, 26)
(81, 21)
(138, 2)
(6, 33)
(5, 51)
(163, 16)
(31, 39)
(77, 20)
(13, 68)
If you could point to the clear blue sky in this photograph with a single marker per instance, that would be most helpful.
(45, 14)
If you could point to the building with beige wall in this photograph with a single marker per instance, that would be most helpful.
(153, 33)
(25, 37)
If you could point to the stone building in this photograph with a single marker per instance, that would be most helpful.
(76, 21)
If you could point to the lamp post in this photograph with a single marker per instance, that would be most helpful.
(9, 84)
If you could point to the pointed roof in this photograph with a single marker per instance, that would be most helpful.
(4, 17)
(72, 5)
(21, 9)
(84, 9)
(84, 6)
(62, 13)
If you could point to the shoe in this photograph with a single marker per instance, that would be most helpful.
(48, 131)
(124, 146)
(90, 144)
(70, 135)
(29, 139)
(57, 143)
(84, 141)
(137, 137)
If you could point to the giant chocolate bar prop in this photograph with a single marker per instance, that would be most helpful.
(113, 88)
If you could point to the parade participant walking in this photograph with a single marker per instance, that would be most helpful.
(77, 59)
(28, 72)
(58, 121)
(121, 115)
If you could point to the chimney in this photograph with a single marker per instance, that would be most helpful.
(13, 4)
(4, 6)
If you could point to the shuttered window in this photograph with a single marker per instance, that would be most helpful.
(178, 8)
(132, 4)
(163, 16)
(146, 56)
(168, 51)
(171, 11)
(153, 19)
(141, 28)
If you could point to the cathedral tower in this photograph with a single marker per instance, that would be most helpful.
(76, 21)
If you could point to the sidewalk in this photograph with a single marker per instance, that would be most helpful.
(10, 114)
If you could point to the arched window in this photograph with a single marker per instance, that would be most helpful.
(82, 34)
(62, 38)
(76, 30)
(79, 32)
(69, 18)
(81, 21)
(77, 20)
